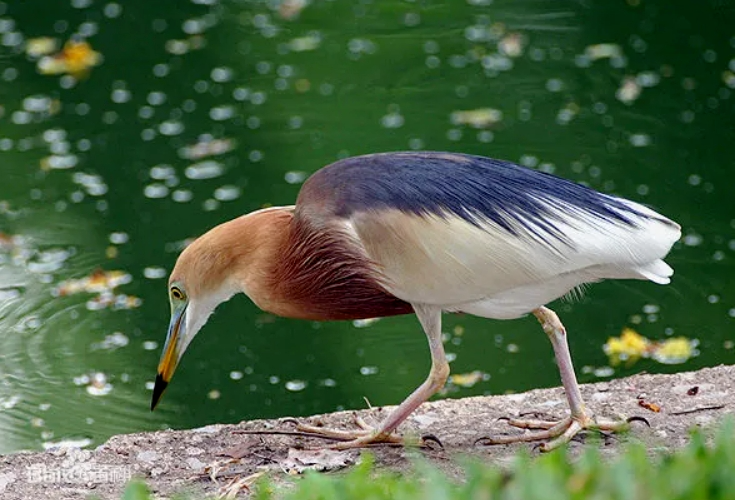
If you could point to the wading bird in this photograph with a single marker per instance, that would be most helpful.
(422, 232)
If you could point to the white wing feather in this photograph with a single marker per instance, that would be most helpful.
(485, 270)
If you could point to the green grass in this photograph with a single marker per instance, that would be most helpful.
(697, 472)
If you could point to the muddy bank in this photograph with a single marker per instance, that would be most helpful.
(214, 458)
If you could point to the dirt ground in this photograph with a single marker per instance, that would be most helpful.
(221, 459)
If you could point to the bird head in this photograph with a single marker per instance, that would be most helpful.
(197, 285)
(228, 259)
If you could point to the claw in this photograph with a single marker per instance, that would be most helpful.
(535, 415)
(433, 439)
(538, 447)
(638, 419)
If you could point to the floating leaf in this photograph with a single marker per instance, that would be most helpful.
(98, 282)
(603, 51)
(477, 118)
(675, 350)
(41, 46)
(631, 346)
(467, 379)
(76, 59)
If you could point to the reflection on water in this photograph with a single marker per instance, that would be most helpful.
(129, 128)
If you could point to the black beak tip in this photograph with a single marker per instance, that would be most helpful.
(158, 389)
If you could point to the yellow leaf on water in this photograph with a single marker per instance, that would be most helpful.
(98, 282)
(675, 350)
(41, 46)
(512, 45)
(477, 118)
(603, 51)
(631, 346)
(76, 59)
(467, 379)
(629, 90)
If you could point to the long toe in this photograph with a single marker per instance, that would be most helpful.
(368, 441)
(334, 434)
(364, 437)
(555, 434)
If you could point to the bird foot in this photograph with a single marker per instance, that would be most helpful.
(557, 433)
(363, 437)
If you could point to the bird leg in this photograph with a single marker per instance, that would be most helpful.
(580, 419)
(430, 319)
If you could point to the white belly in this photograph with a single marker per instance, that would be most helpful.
(522, 300)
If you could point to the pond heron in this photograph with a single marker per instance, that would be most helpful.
(422, 232)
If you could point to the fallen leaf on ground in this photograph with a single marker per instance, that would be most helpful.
(649, 406)
(324, 460)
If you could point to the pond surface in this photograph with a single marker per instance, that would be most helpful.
(159, 123)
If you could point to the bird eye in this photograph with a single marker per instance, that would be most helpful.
(177, 294)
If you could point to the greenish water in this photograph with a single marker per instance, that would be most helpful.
(288, 95)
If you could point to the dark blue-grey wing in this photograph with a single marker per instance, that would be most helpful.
(473, 188)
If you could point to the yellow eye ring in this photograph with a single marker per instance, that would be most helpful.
(177, 294)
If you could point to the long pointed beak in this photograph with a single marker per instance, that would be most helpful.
(171, 353)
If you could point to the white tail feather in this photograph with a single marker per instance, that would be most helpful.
(658, 272)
